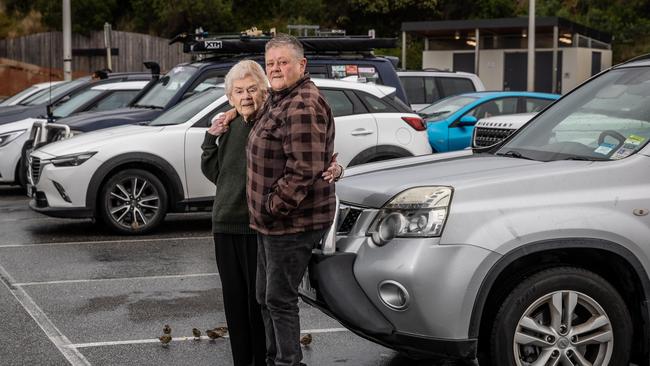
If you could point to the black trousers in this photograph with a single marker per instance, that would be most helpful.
(281, 263)
(237, 264)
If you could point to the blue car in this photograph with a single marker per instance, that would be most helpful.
(450, 121)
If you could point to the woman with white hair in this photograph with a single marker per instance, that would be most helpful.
(224, 162)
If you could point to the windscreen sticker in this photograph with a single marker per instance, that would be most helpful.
(622, 153)
(338, 71)
(351, 69)
(604, 148)
(633, 141)
(178, 69)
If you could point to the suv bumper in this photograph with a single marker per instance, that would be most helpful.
(339, 295)
(39, 204)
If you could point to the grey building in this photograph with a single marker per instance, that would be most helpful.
(500, 58)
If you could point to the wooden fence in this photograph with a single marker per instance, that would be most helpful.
(89, 54)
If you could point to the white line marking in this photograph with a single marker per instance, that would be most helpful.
(105, 242)
(114, 279)
(61, 342)
(183, 339)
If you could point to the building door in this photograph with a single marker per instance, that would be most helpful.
(464, 62)
(515, 72)
(544, 71)
(596, 58)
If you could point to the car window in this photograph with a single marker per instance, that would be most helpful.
(188, 108)
(75, 102)
(414, 87)
(205, 121)
(446, 107)
(55, 92)
(495, 107)
(117, 99)
(339, 102)
(455, 86)
(167, 86)
(374, 104)
(19, 96)
(431, 90)
(608, 118)
(536, 104)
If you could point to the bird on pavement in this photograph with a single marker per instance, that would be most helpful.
(197, 334)
(306, 340)
(221, 331)
(212, 334)
(167, 329)
(165, 339)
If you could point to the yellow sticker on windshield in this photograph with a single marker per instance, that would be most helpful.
(634, 140)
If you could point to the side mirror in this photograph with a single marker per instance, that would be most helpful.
(467, 120)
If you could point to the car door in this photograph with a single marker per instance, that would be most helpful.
(356, 129)
(460, 136)
(198, 186)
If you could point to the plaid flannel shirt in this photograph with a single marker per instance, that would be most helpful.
(288, 149)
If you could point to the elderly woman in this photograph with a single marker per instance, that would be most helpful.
(224, 162)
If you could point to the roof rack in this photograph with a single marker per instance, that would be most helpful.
(238, 44)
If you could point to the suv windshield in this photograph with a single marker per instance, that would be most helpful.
(57, 91)
(166, 87)
(607, 119)
(188, 108)
(444, 108)
(75, 102)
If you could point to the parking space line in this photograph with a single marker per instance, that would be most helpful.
(59, 340)
(115, 279)
(121, 241)
(189, 338)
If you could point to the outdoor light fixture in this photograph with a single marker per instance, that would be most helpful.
(524, 33)
(565, 40)
(471, 42)
(456, 35)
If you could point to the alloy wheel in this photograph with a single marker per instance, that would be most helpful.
(133, 202)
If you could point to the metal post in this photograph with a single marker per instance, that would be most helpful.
(476, 50)
(404, 50)
(531, 45)
(67, 41)
(554, 76)
(107, 44)
(426, 43)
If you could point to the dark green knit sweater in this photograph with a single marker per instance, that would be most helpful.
(225, 165)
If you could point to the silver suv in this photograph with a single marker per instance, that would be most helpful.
(534, 253)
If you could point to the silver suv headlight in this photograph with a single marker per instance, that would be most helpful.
(416, 212)
(6, 138)
(72, 159)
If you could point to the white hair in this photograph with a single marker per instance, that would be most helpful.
(244, 69)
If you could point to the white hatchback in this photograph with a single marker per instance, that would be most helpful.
(131, 176)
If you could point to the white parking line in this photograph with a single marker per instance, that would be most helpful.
(61, 342)
(183, 339)
(122, 241)
(114, 279)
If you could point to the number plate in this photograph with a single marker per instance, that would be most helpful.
(305, 288)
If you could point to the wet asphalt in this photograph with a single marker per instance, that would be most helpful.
(74, 293)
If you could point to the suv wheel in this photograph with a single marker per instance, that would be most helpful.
(21, 174)
(562, 316)
(133, 201)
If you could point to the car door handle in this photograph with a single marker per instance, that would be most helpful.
(361, 132)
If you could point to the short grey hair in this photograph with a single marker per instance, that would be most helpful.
(286, 40)
(244, 69)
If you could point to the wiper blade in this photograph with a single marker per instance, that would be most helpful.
(148, 106)
(515, 154)
(584, 158)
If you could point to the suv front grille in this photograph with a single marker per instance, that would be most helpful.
(348, 216)
(35, 165)
(485, 136)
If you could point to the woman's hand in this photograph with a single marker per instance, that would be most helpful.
(334, 171)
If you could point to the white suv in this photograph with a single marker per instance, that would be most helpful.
(426, 86)
(131, 176)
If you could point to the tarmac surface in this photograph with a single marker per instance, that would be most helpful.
(73, 293)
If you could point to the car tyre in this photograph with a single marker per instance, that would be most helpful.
(133, 201)
(21, 174)
(533, 324)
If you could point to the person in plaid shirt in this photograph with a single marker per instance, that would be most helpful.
(291, 206)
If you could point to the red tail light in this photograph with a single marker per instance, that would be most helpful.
(416, 122)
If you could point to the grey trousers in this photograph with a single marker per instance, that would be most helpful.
(281, 263)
